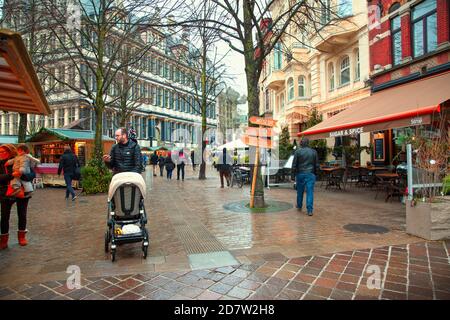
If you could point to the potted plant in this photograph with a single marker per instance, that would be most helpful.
(428, 212)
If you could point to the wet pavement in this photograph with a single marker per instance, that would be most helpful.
(200, 250)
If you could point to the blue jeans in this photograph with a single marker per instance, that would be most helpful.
(69, 189)
(305, 180)
(169, 173)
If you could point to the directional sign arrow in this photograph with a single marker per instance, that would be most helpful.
(263, 121)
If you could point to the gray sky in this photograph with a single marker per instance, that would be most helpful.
(236, 68)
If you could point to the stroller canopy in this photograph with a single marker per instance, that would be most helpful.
(126, 177)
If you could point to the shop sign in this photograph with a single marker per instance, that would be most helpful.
(416, 121)
(346, 132)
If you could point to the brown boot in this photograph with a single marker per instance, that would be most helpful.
(21, 237)
(4, 241)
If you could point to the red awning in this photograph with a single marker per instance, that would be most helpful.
(407, 105)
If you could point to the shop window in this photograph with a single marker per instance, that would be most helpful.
(424, 28)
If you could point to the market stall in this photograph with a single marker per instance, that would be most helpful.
(48, 146)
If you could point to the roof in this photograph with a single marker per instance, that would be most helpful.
(407, 105)
(9, 139)
(20, 90)
(65, 134)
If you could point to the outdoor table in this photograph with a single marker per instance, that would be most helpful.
(387, 182)
(329, 176)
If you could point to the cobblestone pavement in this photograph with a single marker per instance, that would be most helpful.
(414, 271)
(187, 220)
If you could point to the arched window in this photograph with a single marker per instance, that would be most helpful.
(394, 7)
(331, 76)
(345, 71)
(290, 85)
(357, 65)
(301, 87)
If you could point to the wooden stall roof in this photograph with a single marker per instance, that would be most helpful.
(20, 90)
(46, 134)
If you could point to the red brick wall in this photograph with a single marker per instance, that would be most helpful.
(406, 36)
(381, 53)
(443, 23)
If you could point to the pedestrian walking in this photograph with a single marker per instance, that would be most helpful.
(193, 160)
(224, 167)
(181, 163)
(161, 162)
(154, 162)
(125, 155)
(7, 152)
(305, 166)
(169, 165)
(69, 164)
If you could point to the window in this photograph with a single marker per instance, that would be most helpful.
(326, 11)
(277, 57)
(282, 103)
(71, 114)
(357, 65)
(345, 71)
(301, 87)
(424, 25)
(309, 85)
(396, 40)
(267, 100)
(15, 124)
(290, 85)
(331, 76)
(345, 8)
(61, 118)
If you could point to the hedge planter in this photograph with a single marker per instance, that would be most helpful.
(430, 221)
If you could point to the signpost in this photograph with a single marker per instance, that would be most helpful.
(258, 137)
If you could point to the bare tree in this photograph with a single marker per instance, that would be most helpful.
(208, 71)
(254, 27)
(97, 47)
(26, 17)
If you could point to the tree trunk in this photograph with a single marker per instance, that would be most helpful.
(253, 110)
(202, 173)
(98, 142)
(22, 134)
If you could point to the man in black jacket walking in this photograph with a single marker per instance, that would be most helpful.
(68, 163)
(304, 166)
(125, 156)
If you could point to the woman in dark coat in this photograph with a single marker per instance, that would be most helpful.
(224, 167)
(170, 165)
(8, 151)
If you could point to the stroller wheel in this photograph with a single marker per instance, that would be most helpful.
(113, 255)
(144, 249)
(106, 241)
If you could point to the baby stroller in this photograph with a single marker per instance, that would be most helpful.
(126, 218)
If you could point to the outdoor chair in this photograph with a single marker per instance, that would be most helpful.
(38, 182)
(352, 175)
(336, 178)
(363, 177)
